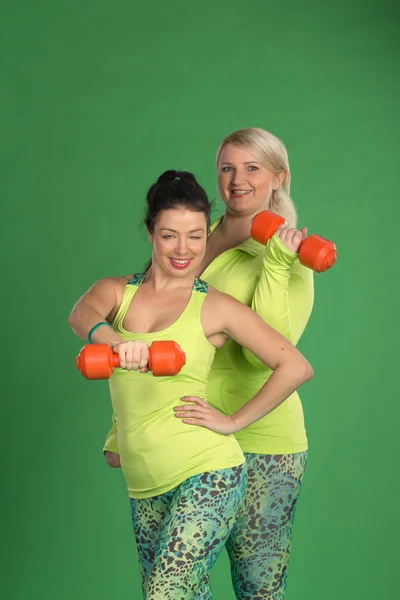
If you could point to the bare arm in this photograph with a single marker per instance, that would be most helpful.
(98, 304)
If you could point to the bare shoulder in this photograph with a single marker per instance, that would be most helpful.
(221, 300)
(107, 284)
(121, 280)
(223, 307)
(119, 283)
(106, 292)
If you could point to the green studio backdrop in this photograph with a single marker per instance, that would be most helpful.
(98, 98)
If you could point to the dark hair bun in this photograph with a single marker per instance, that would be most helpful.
(172, 175)
(173, 189)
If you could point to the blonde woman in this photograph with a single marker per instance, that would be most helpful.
(254, 175)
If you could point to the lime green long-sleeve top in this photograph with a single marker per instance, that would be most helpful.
(271, 280)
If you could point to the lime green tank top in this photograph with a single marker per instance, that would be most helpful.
(157, 450)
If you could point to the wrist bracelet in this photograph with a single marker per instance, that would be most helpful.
(91, 332)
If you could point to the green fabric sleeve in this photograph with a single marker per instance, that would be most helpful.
(284, 294)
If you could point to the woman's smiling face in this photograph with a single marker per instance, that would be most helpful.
(179, 240)
(245, 185)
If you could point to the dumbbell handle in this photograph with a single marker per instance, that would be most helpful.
(115, 360)
(315, 252)
(97, 361)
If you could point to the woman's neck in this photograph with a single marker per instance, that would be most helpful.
(160, 280)
(235, 228)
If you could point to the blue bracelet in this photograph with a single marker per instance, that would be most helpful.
(91, 332)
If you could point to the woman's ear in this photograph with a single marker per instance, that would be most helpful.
(149, 236)
(281, 178)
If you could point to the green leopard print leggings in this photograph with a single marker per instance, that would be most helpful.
(180, 534)
(260, 542)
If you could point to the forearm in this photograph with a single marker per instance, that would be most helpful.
(83, 321)
(282, 383)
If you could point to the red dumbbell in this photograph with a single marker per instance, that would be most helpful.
(97, 361)
(315, 252)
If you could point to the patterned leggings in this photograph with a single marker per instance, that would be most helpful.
(180, 534)
(260, 541)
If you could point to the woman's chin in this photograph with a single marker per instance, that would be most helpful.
(243, 208)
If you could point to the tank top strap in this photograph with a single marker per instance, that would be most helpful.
(129, 291)
(193, 309)
(200, 286)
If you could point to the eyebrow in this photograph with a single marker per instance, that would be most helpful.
(250, 162)
(174, 231)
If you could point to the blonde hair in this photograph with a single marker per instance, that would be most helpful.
(270, 151)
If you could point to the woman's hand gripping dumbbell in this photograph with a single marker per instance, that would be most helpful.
(97, 361)
(315, 252)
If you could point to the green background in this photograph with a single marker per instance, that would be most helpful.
(98, 98)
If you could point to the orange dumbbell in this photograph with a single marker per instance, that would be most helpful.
(97, 361)
(315, 252)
